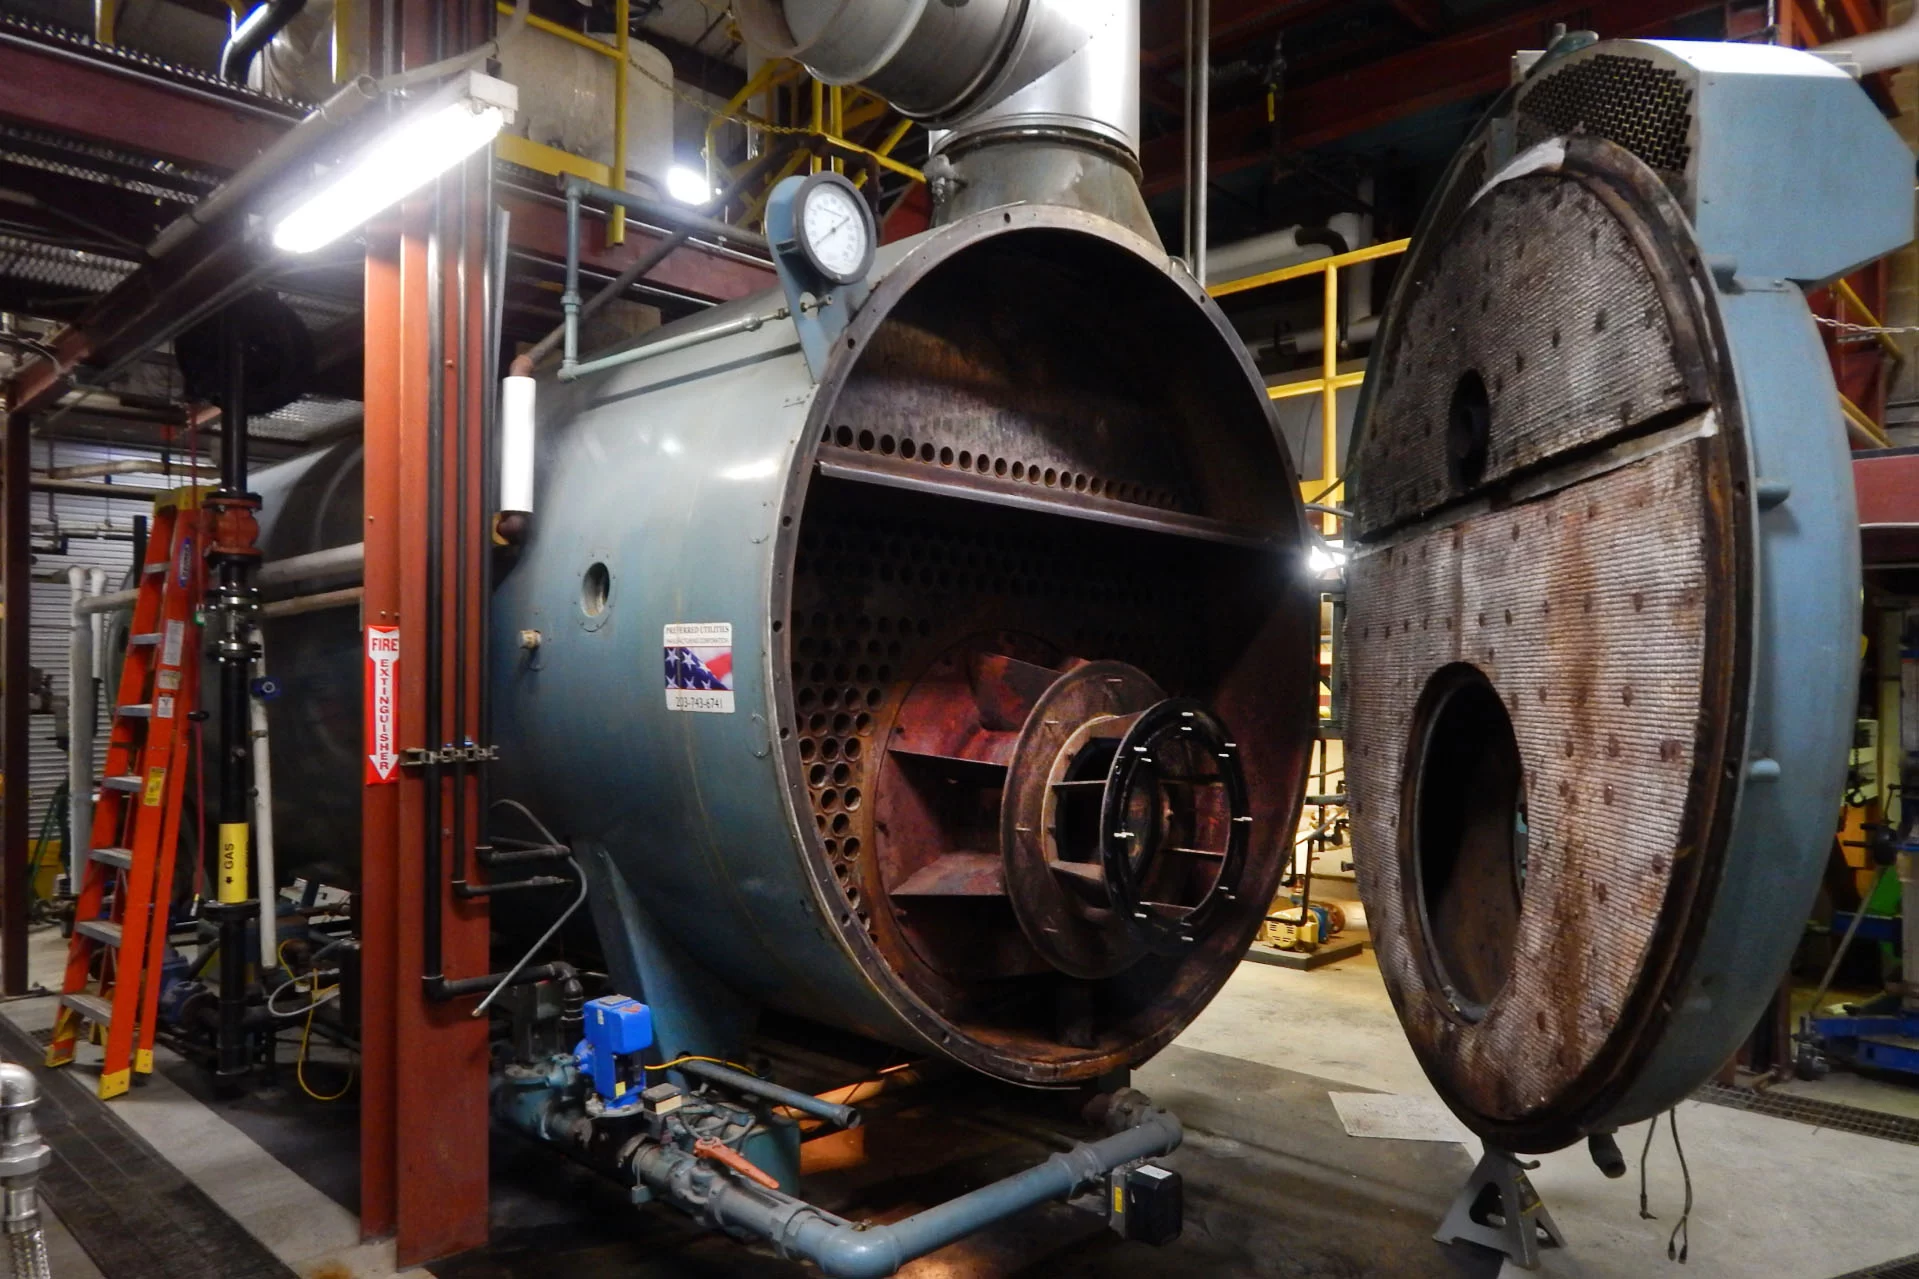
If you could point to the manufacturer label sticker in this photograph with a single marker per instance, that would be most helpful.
(699, 667)
(156, 787)
(175, 643)
(163, 707)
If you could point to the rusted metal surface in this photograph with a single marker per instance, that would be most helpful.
(925, 624)
(1585, 576)
(1555, 301)
(1050, 824)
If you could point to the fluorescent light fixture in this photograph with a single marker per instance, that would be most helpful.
(687, 185)
(410, 152)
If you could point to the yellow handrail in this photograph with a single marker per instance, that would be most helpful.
(547, 159)
(1354, 258)
(1330, 381)
(1844, 292)
(565, 33)
(1869, 428)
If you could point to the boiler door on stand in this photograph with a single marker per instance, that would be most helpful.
(1584, 854)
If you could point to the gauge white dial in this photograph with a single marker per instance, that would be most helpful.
(834, 226)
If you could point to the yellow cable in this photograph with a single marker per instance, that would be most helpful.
(300, 1063)
(314, 997)
(730, 1065)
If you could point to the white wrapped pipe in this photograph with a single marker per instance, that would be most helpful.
(80, 721)
(269, 882)
(517, 440)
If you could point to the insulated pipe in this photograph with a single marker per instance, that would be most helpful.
(934, 60)
(131, 466)
(80, 721)
(299, 143)
(334, 561)
(269, 885)
(254, 33)
(845, 1250)
(1199, 98)
(806, 1103)
(1877, 51)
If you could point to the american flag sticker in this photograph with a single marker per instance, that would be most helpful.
(699, 667)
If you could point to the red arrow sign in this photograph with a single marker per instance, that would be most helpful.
(382, 704)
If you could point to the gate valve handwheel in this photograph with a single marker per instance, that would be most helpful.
(721, 1153)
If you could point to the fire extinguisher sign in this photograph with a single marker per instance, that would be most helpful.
(382, 705)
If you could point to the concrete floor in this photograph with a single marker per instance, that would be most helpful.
(1275, 1186)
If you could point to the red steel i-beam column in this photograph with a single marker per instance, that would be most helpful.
(16, 596)
(423, 1153)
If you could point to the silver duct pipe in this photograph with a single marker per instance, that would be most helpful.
(1031, 102)
(1879, 51)
(23, 1155)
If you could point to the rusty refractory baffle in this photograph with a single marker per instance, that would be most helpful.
(1124, 820)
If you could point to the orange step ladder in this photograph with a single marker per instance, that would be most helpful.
(120, 919)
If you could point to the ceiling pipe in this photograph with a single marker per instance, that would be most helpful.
(1878, 50)
(253, 34)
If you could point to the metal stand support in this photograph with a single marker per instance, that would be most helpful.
(1499, 1209)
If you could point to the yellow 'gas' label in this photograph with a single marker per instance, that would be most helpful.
(1119, 1198)
(233, 861)
(156, 787)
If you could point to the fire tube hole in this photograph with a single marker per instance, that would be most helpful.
(1468, 836)
(1469, 430)
(596, 585)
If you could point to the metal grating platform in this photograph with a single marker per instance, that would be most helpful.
(1820, 1114)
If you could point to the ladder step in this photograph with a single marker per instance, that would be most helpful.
(155, 569)
(145, 639)
(139, 710)
(94, 1008)
(118, 858)
(130, 784)
(104, 931)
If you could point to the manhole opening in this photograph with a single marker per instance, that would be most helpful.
(1468, 836)
(1469, 423)
(596, 585)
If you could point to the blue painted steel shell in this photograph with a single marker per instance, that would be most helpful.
(674, 493)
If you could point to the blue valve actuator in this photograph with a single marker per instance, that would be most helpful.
(618, 1030)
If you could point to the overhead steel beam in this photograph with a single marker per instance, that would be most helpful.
(1888, 488)
(1465, 65)
(1163, 25)
(50, 87)
(539, 228)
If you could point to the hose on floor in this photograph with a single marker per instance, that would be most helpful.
(27, 1253)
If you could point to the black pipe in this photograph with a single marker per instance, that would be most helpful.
(458, 987)
(232, 605)
(433, 872)
(254, 33)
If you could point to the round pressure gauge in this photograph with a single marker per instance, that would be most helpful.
(835, 228)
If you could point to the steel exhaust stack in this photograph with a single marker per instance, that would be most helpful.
(1029, 103)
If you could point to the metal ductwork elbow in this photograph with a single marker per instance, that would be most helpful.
(1030, 101)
